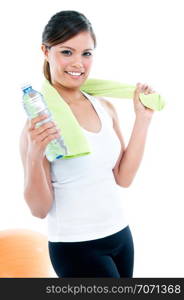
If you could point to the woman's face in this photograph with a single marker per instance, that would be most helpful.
(74, 55)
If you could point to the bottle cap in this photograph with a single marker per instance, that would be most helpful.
(25, 85)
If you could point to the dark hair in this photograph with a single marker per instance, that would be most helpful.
(61, 27)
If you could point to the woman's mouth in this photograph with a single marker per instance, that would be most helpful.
(74, 74)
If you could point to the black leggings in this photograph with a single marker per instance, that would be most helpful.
(111, 256)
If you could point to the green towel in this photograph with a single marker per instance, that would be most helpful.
(71, 131)
(115, 89)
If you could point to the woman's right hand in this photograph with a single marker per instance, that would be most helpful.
(40, 137)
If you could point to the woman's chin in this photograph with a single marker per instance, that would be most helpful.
(74, 83)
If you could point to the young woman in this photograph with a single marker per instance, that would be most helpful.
(88, 232)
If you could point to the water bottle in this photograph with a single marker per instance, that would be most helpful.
(34, 104)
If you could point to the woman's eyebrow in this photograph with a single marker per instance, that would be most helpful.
(73, 48)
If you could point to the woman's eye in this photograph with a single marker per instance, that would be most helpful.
(88, 53)
(66, 51)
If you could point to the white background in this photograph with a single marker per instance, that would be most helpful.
(137, 41)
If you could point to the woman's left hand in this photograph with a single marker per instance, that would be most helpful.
(141, 111)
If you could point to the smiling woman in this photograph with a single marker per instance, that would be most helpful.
(88, 231)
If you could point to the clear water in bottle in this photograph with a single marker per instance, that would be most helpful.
(34, 104)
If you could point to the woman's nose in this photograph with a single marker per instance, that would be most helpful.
(77, 61)
(77, 64)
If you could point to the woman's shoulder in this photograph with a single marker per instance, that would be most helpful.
(108, 106)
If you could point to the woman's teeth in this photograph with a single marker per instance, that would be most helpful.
(74, 73)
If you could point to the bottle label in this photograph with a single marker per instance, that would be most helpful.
(37, 103)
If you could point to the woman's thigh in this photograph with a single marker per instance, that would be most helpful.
(124, 256)
(80, 262)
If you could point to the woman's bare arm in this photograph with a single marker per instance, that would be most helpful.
(131, 156)
(38, 191)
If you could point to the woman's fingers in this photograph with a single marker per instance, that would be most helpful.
(48, 132)
(144, 88)
(35, 120)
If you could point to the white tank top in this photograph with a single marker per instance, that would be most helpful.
(88, 204)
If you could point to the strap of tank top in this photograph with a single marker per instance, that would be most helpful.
(103, 114)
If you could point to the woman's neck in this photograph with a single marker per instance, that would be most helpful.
(71, 96)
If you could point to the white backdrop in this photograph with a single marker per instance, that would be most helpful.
(137, 41)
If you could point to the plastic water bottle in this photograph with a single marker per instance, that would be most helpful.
(35, 105)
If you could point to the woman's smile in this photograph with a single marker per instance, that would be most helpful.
(74, 75)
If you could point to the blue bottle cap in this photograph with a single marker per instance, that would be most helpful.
(25, 85)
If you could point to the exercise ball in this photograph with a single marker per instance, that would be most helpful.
(24, 253)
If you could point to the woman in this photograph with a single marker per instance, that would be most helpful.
(89, 235)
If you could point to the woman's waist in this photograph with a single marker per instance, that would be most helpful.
(82, 180)
(88, 197)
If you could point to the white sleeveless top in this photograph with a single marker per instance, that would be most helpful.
(88, 204)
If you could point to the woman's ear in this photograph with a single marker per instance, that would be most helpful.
(45, 51)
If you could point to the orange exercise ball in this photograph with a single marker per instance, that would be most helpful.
(24, 253)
